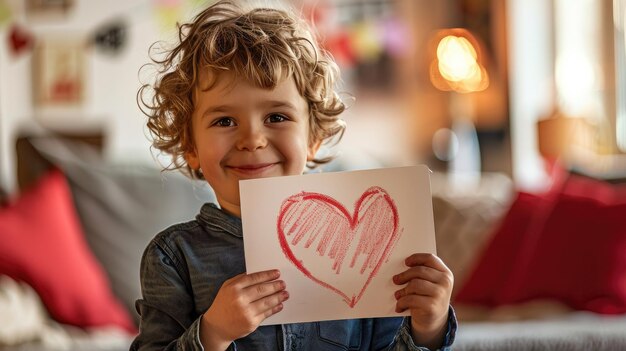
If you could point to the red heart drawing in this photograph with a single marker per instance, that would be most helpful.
(317, 234)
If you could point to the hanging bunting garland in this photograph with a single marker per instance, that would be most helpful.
(168, 13)
(19, 40)
(5, 13)
(111, 38)
(366, 41)
(396, 37)
(340, 46)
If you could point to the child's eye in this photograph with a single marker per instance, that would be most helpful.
(276, 118)
(224, 122)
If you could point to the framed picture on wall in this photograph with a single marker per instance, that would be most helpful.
(59, 73)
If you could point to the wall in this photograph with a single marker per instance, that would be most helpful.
(112, 81)
(531, 86)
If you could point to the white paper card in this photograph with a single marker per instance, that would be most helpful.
(337, 238)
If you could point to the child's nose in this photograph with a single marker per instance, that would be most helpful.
(251, 138)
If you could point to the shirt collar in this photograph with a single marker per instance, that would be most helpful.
(217, 220)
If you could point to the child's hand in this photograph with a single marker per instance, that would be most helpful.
(241, 304)
(427, 294)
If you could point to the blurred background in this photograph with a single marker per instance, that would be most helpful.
(498, 97)
(465, 86)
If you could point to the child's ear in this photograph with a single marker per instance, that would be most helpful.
(192, 159)
(312, 150)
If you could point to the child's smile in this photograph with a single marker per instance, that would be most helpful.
(241, 131)
(253, 170)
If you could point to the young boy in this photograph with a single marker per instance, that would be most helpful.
(248, 94)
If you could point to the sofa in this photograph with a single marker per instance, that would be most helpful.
(543, 271)
(78, 229)
(69, 278)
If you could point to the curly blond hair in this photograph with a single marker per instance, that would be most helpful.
(263, 45)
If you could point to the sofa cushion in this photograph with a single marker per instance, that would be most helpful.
(494, 265)
(465, 218)
(43, 246)
(122, 206)
(568, 245)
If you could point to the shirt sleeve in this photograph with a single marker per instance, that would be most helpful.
(404, 341)
(168, 319)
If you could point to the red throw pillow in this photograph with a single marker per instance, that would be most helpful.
(570, 247)
(492, 272)
(43, 245)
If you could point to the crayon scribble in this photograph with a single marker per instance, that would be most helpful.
(312, 221)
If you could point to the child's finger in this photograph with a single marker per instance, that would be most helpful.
(259, 291)
(418, 287)
(419, 272)
(263, 276)
(426, 259)
(244, 280)
(270, 305)
(411, 301)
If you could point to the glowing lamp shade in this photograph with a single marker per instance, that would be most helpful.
(456, 65)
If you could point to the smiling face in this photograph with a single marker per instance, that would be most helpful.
(241, 131)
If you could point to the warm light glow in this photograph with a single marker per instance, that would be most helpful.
(576, 82)
(457, 64)
(457, 59)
